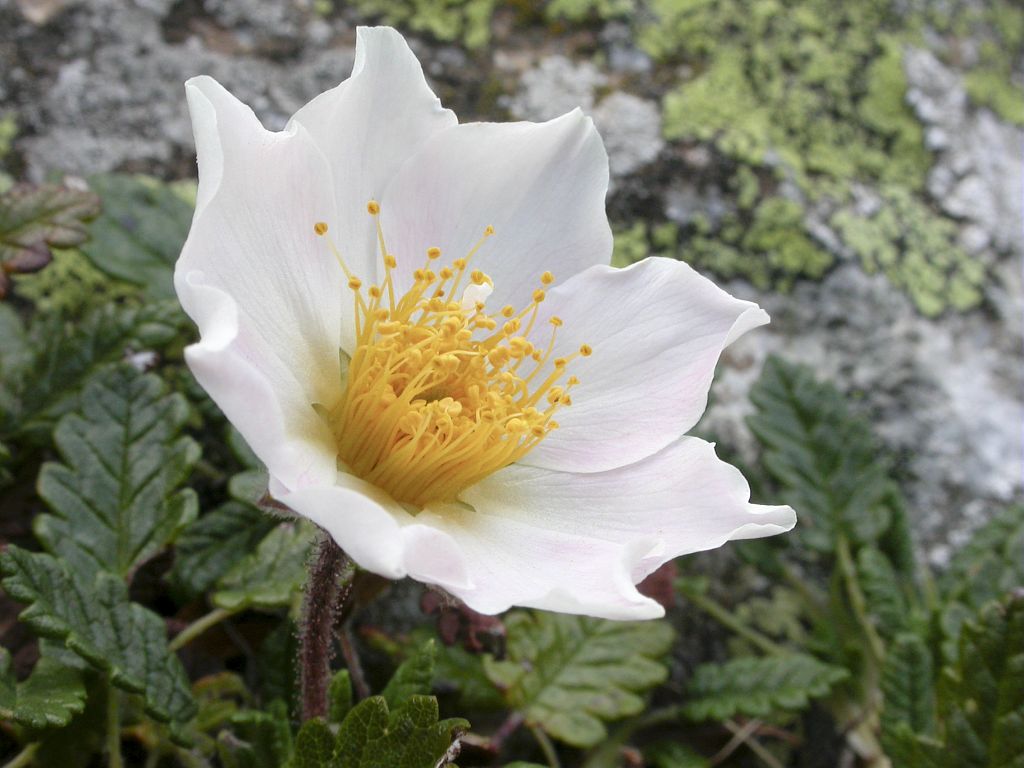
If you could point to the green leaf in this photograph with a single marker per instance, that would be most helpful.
(210, 546)
(756, 687)
(271, 576)
(97, 621)
(257, 739)
(908, 688)
(826, 459)
(339, 696)
(410, 736)
(568, 674)
(68, 354)
(671, 754)
(981, 697)
(415, 675)
(51, 695)
(991, 564)
(887, 603)
(139, 235)
(34, 219)
(314, 746)
(117, 501)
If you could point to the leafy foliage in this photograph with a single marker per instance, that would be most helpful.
(908, 688)
(51, 695)
(568, 674)
(271, 576)
(34, 219)
(758, 686)
(97, 621)
(827, 461)
(140, 233)
(116, 502)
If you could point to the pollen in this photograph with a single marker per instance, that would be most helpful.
(439, 393)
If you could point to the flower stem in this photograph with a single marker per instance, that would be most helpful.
(113, 728)
(546, 746)
(729, 621)
(197, 627)
(319, 611)
(857, 600)
(23, 758)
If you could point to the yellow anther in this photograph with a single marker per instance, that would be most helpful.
(516, 426)
(374, 291)
(510, 327)
(585, 350)
(538, 296)
(508, 311)
(572, 381)
(556, 321)
(537, 430)
(459, 264)
(555, 395)
(320, 227)
(566, 400)
(488, 230)
(355, 283)
(552, 425)
(478, 277)
(446, 274)
(547, 278)
(381, 315)
(433, 252)
(373, 207)
(418, 275)
(561, 362)
(390, 261)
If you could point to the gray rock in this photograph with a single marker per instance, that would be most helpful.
(631, 129)
(556, 86)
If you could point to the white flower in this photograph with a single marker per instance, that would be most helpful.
(440, 440)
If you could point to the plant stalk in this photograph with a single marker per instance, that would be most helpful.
(197, 627)
(729, 621)
(23, 758)
(857, 600)
(114, 759)
(316, 638)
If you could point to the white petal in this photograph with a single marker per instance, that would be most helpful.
(367, 127)
(260, 285)
(657, 330)
(541, 186)
(579, 542)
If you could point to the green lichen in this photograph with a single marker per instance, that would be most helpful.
(992, 89)
(8, 130)
(580, 11)
(468, 22)
(916, 249)
(70, 285)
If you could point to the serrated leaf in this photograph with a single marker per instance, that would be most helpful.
(826, 459)
(210, 546)
(50, 697)
(139, 235)
(908, 688)
(97, 621)
(34, 219)
(671, 754)
(117, 501)
(66, 355)
(415, 675)
(410, 736)
(981, 698)
(991, 564)
(271, 576)
(314, 746)
(257, 739)
(887, 603)
(569, 674)
(756, 687)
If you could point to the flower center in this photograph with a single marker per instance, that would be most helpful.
(439, 393)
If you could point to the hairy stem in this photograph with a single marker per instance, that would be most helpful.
(197, 627)
(316, 640)
(546, 746)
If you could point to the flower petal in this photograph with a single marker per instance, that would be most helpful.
(657, 329)
(540, 185)
(367, 127)
(260, 285)
(580, 542)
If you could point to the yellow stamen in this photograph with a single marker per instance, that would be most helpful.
(430, 406)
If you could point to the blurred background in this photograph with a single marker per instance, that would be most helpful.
(855, 167)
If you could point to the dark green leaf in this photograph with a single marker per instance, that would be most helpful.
(887, 602)
(212, 545)
(991, 563)
(67, 355)
(671, 754)
(257, 739)
(908, 690)
(568, 674)
(415, 675)
(271, 576)
(139, 235)
(339, 696)
(756, 687)
(51, 695)
(116, 502)
(98, 622)
(35, 218)
(981, 698)
(314, 746)
(826, 459)
(408, 737)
